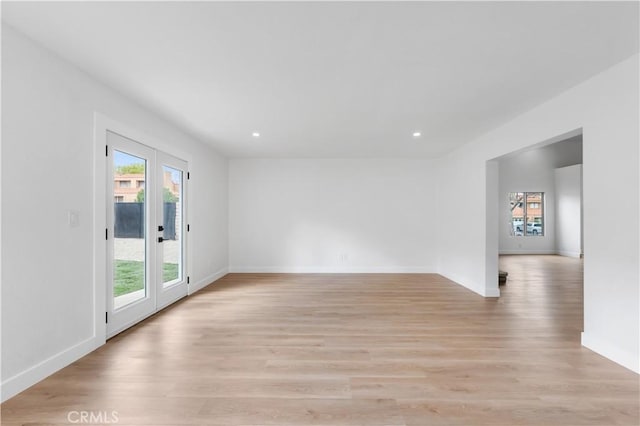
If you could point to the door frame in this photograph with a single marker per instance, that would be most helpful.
(102, 124)
(492, 208)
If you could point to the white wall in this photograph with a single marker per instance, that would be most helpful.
(568, 198)
(605, 107)
(528, 172)
(47, 169)
(533, 170)
(323, 215)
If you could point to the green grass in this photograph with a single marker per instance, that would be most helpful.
(169, 272)
(129, 276)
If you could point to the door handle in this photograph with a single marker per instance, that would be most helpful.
(160, 239)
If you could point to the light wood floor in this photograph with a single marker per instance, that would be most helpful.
(268, 349)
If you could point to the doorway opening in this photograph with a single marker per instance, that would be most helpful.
(536, 211)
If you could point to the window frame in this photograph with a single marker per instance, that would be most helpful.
(525, 220)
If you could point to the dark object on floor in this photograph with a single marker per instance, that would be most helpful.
(502, 277)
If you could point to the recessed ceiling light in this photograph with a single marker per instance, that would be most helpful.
(416, 134)
(255, 134)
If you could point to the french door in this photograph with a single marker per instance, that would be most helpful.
(146, 244)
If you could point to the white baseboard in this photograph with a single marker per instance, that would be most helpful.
(333, 270)
(491, 292)
(481, 290)
(523, 251)
(25, 379)
(607, 350)
(565, 253)
(207, 280)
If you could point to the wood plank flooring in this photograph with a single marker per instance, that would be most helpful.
(353, 349)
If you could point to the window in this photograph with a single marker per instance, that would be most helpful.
(527, 213)
(124, 184)
(139, 184)
(119, 198)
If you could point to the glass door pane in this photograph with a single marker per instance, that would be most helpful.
(171, 270)
(173, 214)
(130, 231)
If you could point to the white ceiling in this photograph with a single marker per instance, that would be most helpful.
(335, 79)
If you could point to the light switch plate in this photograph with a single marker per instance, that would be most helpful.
(73, 218)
